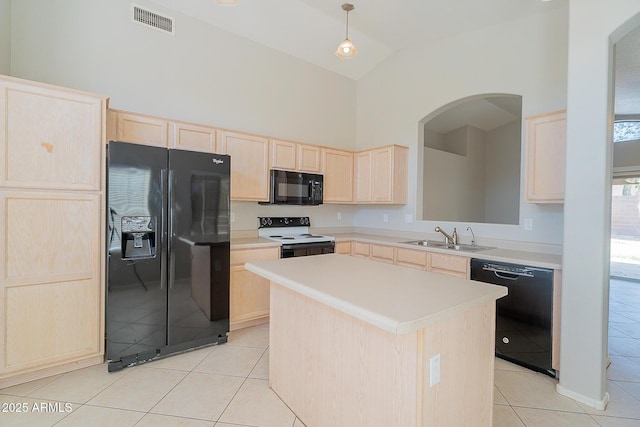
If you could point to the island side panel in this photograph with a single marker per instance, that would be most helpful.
(465, 342)
(332, 369)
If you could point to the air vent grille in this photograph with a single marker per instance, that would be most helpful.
(152, 19)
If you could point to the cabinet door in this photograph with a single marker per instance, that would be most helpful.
(249, 297)
(50, 279)
(383, 253)
(50, 138)
(389, 176)
(187, 136)
(283, 154)
(382, 161)
(249, 165)
(452, 265)
(343, 248)
(361, 250)
(363, 176)
(411, 258)
(309, 158)
(249, 293)
(546, 146)
(338, 176)
(141, 129)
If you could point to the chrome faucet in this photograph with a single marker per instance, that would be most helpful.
(473, 239)
(450, 240)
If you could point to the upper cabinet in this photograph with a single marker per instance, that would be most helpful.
(338, 175)
(138, 129)
(187, 136)
(286, 155)
(49, 136)
(546, 147)
(159, 132)
(249, 165)
(381, 175)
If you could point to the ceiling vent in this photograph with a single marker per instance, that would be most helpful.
(152, 19)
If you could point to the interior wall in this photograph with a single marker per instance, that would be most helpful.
(454, 184)
(5, 37)
(202, 74)
(502, 172)
(594, 25)
(527, 57)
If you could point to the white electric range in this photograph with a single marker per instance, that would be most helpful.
(293, 233)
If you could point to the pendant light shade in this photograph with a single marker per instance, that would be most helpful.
(346, 49)
(227, 2)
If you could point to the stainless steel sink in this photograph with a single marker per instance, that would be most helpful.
(442, 245)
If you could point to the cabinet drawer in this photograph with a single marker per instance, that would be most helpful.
(411, 258)
(382, 253)
(240, 256)
(453, 263)
(361, 249)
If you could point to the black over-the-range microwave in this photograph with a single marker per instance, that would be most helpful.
(294, 188)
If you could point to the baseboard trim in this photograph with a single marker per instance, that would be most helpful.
(600, 405)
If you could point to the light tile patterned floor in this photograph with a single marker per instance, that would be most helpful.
(226, 386)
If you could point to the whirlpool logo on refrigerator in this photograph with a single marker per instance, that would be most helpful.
(218, 161)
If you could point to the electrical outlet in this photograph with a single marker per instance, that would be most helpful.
(385, 218)
(434, 370)
(528, 224)
(232, 217)
(339, 216)
(408, 218)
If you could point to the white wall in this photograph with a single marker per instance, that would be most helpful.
(5, 37)
(201, 74)
(503, 174)
(454, 184)
(594, 25)
(526, 57)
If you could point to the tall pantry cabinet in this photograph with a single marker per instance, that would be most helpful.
(52, 148)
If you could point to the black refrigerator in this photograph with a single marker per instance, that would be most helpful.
(168, 243)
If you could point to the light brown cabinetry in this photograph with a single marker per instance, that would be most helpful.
(159, 132)
(51, 228)
(545, 165)
(287, 155)
(249, 293)
(138, 128)
(381, 175)
(187, 136)
(343, 248)
(361, 250)
(249, 165)
(411, 258)
(383, 253)
(452, 265)
(338, 175)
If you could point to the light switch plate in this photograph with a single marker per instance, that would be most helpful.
(385, 218)
(408, 218)
(528, 224)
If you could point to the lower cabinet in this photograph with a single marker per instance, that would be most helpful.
(249, 293)
(411, 258)
(51, 285)
(343, 248)
(452, 265)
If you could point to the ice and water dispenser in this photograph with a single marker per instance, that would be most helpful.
(138, 237)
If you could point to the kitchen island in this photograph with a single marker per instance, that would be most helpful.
(359, 343)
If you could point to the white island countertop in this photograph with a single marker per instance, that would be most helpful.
(395, 299)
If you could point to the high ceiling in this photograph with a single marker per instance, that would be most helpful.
(312, 29)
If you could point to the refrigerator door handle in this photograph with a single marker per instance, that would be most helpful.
(171, 229)
(163, 225)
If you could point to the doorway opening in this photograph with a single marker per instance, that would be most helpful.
(625, 229)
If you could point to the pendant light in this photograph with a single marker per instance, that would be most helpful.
(227, 2)
(346, 49)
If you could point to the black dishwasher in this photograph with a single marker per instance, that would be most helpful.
(524, 316)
